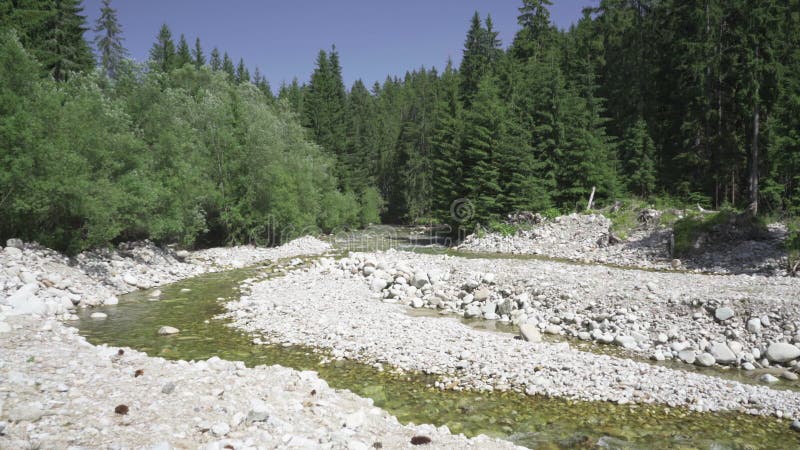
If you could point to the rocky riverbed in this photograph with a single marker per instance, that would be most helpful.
(356, 307)
(58, 391)
(588, 238)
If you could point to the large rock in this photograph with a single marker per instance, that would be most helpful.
(15, 243)
(420, 279)
(724, 313)
(722, 353)
(627, 342)
(530, 332)
(164, 331)
(24, 300)
(28, 412)
(259, 411)
(377, 284)
(782, 352)
(687, 356)
(505, 307)
(754, 325)
(481, 294)
(705, 360)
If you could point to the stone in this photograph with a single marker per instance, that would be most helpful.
(481, 294)
(15, 243)
(754, 325)
(584, 336)
(377, 284)
(796, 425)
(417, 302)
(155, 294)
(781, 352)
(182, 255)
(705, 360)
(113, 300)
(259, 411)
(530, 332)
(98, 315)
(722, 353)
(5, 328)
(658, 355)
(675, 263)
(627, 342)
(166, 330)
(130, 279)
(420, 279)
(28, 412)
(168, 388)
(687, 356)
(13, 252)
(748, 366)
(355, 420)
(489, 308)
(220, 429)
(472, 311)
(791, 376)
(768, 378)
(724, 313)
(505, 307)
(553, 329)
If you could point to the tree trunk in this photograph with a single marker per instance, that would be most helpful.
(753, 207)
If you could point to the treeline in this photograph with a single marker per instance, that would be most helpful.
(694, 101)
(176, 153)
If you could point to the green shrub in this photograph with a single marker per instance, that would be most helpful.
(793, 246)
(725, 225)
(504, 229)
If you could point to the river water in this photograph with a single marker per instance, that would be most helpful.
(535, 422)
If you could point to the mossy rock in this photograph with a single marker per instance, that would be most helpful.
(695, 233)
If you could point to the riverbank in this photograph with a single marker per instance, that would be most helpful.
(588, 238)
(57, 390)
(356, 308)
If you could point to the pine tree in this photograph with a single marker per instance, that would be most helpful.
(242, 74)
(293, 96)
(262, 83)
(479, 49)
(638, 155)
(324, 105)
(358, 158)
(537, 34)
(228, 68)
(198, 58)
(162, 54)
(183, 55)
(446, 146)
(109, 40)
(483, 134)
(216, 61)
(64, 49)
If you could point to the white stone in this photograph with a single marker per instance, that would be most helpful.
(98, 315)
(220, 429)
(165, 330)
(782, 352)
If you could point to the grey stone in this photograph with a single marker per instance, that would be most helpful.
(782, 352)
(27, 412)
(220, 429)
(687, 356)
(724, 313)
(627, 342)
(768, 378)
(530, 332)
(168, 388)
(791, 376)
(553, 329)
(722, 353)
(259, 411)
(748, 366)
(796, 425)
(15, 243)
(168, 330)
(754, 325)
(5, 328)
(420, 279)
(705, 360)
(377, 284)
(505, 307)
(481, 294)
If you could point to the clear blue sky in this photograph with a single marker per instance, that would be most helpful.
(375, 38)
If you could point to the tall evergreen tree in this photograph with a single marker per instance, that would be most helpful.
(228, 67)
(162, 53)
(109, 40)
(242, 74)
(198, 57)
(446, 146)
(64, 48)
(183, 55)
(215, 62)
(638, 155)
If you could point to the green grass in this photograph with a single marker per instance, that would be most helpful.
(726, 224)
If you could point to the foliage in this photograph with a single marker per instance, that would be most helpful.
(695, 228)
(793, 247)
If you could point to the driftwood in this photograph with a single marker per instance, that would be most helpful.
(591, 200)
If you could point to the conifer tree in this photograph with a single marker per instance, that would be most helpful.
(638, 150)
(109, 40)
(183, 55)
(262, 83)
(242, 74)
(446, 146)
(293, 95)
(198, 57)
(162, 53)
(228, 68)
(64, 48)
(216, 61)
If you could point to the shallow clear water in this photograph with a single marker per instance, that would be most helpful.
(536, 422)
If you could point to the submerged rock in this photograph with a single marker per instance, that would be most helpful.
(168, 330)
